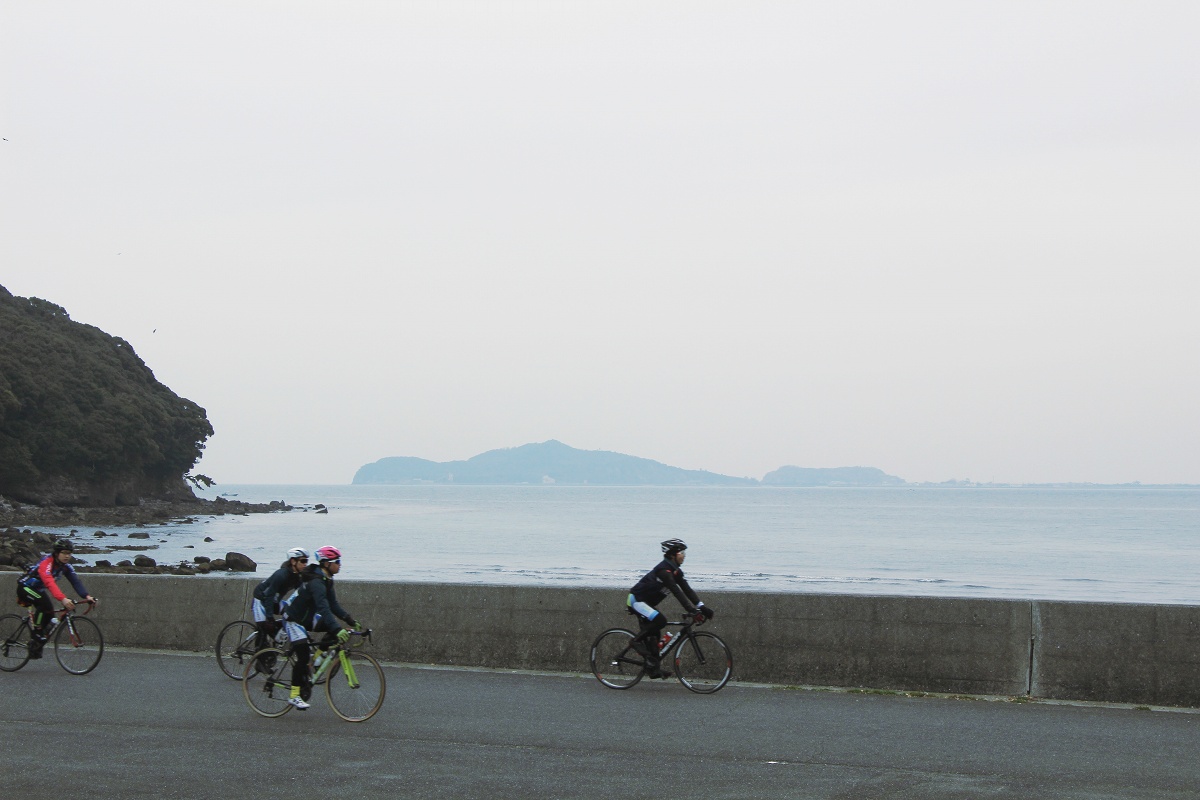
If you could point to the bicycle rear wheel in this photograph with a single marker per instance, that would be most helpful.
(268, 692)
(14, 642)
(78, 645)
(614, 661)
(356, 695)
(235, 644)
(703, 662)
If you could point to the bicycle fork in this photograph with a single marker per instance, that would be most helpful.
(348, 668)
(691, 640)
(72, 633)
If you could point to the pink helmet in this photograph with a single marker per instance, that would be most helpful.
(328, 553)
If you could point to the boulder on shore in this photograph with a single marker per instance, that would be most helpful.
(239, 562)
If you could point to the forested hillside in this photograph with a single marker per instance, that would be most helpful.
(83, 421)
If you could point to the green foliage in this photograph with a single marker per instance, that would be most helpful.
(199, 481)
(79, 404)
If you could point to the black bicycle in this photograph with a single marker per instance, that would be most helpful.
(703, 662)
(78, 644)
(238, 641)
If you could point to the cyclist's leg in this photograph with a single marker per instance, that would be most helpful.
(264, 622)
(42, 613)
(301, 680)
(328, 633)
(651, 621)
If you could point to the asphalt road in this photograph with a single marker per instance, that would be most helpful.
(172, 726)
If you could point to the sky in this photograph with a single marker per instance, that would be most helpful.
(949, 240)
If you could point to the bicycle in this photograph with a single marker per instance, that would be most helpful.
(238, 641)
(354, 681)
(78, 643)
(703, 662)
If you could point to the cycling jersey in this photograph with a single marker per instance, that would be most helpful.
(316, 601)
(271, 591)
(666, 577)
(40, 578)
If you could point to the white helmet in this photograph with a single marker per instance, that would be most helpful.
(298, 552)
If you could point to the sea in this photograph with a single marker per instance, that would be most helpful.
(1110, 544)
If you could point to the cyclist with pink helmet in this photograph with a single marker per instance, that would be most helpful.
(314, 608)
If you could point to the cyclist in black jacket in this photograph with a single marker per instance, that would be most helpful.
(269, 595)
(314, 608)
(651, 590)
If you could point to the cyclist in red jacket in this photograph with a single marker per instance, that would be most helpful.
(651, 590)
(37, 587)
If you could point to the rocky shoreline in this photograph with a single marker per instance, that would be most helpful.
(21, 544)
(24, 515)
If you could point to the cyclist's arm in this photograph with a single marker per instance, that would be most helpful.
(325, 604)
(77, 584)
(669, 581)
(46, 575)
(687, 589)
(269, 590)
(337, 609)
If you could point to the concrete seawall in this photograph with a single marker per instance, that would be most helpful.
(1085, 651)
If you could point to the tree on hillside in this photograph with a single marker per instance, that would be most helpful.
(78, 405)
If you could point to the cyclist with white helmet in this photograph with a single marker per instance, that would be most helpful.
(314, 608)
(269, 596)
(651, 590)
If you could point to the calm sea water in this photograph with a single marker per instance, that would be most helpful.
(1126, 544)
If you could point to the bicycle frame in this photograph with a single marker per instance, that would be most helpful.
(344, 660)
(66, 617)
(677, 639)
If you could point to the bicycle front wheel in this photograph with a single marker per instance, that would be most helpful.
(703, 662)
(14, 642)
(78, 645)
(355, 694)
(235, 644)
(268, 690)
(614, 661)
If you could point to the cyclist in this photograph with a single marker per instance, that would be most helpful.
(38, 586)
(269, 596)
(651, 590)
(314, 608)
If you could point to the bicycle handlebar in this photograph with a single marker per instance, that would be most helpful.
(365, 633)
(91, 604)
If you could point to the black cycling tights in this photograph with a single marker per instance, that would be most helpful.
(300, 676)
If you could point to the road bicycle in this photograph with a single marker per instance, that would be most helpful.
(354, 682)
(78, 644)
(703, 662)
(238, 642)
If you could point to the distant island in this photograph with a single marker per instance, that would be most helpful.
(554, 463)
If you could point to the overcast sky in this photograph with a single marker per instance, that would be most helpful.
(945, 239)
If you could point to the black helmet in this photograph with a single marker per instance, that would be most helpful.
(673, 546)
(64, 544)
